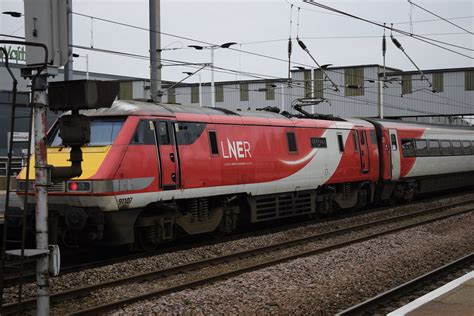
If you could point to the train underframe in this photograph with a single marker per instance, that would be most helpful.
(161, 222)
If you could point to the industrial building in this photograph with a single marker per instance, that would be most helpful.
(441, 93)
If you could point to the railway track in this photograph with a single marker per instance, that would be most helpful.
(243, 261)
(387, 300)
(118, 257)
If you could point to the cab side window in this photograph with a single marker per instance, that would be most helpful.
(164, 133)
(144, 134)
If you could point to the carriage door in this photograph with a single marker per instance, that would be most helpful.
(364, 152)
(167, 153)
(395, 154)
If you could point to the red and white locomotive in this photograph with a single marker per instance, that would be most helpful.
(153, 171)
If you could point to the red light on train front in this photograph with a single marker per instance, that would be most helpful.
(72, 186)
(78, 186)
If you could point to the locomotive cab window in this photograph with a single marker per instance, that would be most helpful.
(188, 133)
(213, 143)
(290, 137)
(164, 133)
(434, 147)
(103, 132)
(408, 147)
(144, 134)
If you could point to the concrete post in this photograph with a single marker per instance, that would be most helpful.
(213, 91)
(41, 187)
(380, 85)
(69, 66)
(155, 50)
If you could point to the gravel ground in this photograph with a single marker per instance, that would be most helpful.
(110, 272)
(329, 282)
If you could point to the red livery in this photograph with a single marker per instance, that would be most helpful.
(152, 171)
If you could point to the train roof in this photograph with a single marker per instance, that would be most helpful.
(212, 115)
(409, 124)
(129, 107)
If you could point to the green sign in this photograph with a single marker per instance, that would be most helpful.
(14, 53)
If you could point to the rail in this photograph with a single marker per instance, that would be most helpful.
(242, 255)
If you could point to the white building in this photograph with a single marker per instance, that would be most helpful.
(358, 93)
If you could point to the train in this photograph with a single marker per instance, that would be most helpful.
(154, 172)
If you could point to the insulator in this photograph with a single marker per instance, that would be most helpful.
(302, 45)
(289, 46)
(384, 45)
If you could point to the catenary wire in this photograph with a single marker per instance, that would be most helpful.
(224, 70)
(440, 17)
(415, 36)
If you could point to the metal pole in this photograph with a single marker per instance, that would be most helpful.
(41, 185)
(200, 90)
(312, 88)
(282, 97)
(380, 82)
(213, 96)
(68, 67)
(155, 50)
(87, 66)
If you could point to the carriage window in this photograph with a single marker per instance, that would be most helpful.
(144, 134)
(393, 139)
(466, 147)
(408, 147)
(213, 143)
(373, 138)
(457, 150)
(164, 133)
(362, 139)
(341, 142)
(445, 148)
(356, 141)
(434, 147)
(291, 142)
(421, 147)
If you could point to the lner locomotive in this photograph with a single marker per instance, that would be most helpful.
(152, 172)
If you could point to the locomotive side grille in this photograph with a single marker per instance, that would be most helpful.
(57, 187)
(276, 206)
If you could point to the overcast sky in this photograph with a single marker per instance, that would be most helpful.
(262, 27)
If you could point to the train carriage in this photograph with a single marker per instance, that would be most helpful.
(419, 158)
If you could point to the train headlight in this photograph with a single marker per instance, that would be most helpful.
(78, 186)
